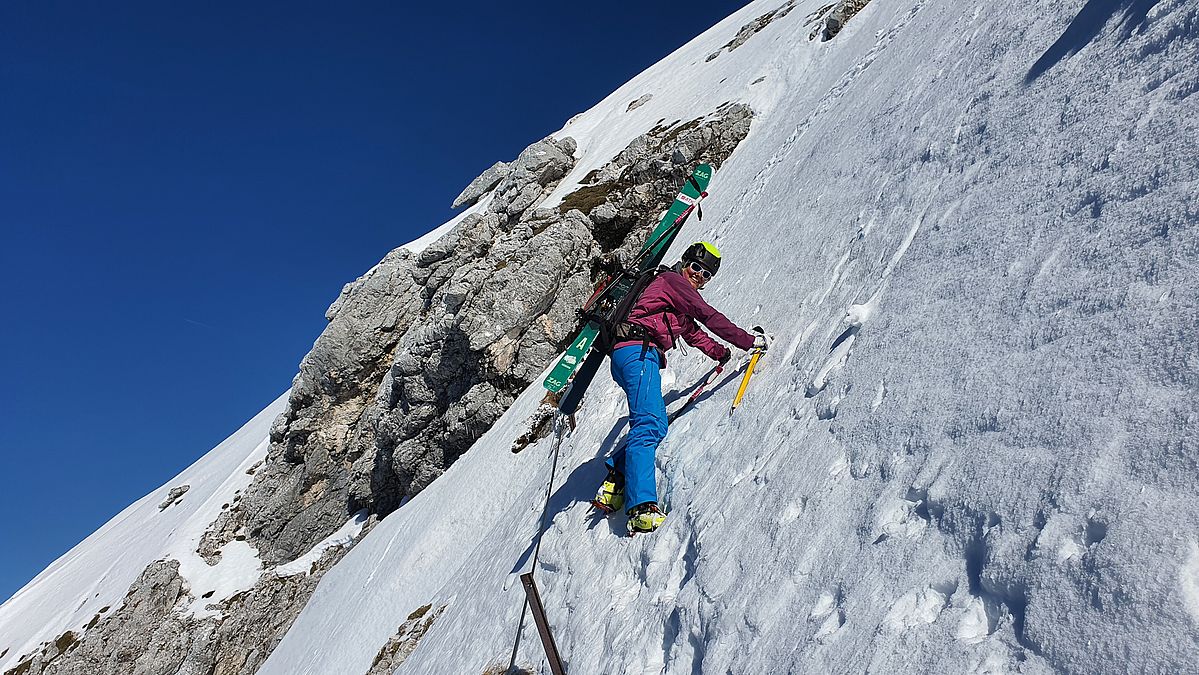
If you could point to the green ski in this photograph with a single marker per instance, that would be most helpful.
(613, 288)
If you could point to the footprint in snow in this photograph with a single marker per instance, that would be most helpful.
(906, 517)
(839, 466)
(793, 511)
(919, 606)
(828, 607)
(1188, 582)
(842, 347)
(981, 619)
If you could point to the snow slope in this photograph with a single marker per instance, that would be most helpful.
(971, 226)
(93, 577)
(972, 449)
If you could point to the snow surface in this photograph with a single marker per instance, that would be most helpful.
(971, 447)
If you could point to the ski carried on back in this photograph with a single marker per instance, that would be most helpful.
(580, 356)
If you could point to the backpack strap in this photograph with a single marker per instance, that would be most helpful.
(617, 328)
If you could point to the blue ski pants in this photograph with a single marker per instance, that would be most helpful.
(635, 369)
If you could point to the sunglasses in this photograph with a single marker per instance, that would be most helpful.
(700, 269)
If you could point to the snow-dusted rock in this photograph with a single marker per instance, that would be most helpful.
(482, 184)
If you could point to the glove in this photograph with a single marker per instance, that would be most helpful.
(728, 354)
(761, 339)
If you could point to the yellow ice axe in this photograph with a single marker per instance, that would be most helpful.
(753, 361)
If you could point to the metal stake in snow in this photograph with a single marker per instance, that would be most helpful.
(543, 625)
(538, 611)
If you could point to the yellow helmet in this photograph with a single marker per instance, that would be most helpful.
(704, 253)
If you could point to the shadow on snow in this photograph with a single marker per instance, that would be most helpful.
(1086, 25)
(580, 484)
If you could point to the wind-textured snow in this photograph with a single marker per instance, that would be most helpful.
(963, 453)
(971, 227)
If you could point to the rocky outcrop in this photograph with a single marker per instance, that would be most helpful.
(405, 641)
(143, 636)
(317, 441)
(830, 19)
(482, 185)
(424, 353)
(174, 497)
(639, 102)
(753, 28)
(408, 317)
(421, 356)
(152, 633)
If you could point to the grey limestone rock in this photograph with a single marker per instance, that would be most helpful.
(173, 496)
(405, 641)
(315, 438)
(482, 185)
(544, 162)
(332, 448)
(523, 199)
(538, 168)
(639, 102)
(150, 633)
(604, 214)
(145, 635)
(831, 19)
(753, 28)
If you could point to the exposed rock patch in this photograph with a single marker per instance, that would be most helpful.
(151, 634)
(319, 437)
(830, 19)
(480, 186)
(639, 102)
(174, 497)
(405, 641)
(752, 28)
(142, 636)
(540, 423)
(229, 525)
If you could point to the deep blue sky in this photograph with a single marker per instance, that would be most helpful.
(185, 187)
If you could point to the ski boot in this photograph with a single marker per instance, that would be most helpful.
(610, 496)
(645, 518)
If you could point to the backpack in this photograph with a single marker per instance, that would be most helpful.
(618, 310)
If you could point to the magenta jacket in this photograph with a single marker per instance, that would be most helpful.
(669, 308)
